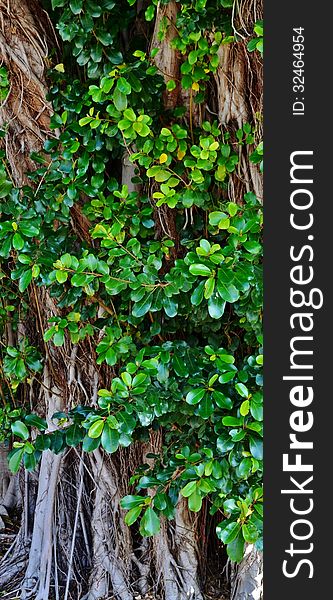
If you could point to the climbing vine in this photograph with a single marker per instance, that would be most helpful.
(162, 277)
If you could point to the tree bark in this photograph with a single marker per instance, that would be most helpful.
(75, 541)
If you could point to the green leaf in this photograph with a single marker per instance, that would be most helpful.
(59, 337)
(119, 99)
(150, 12)
(189, 489)
(198, 294)
(79, 279)
(96, 429)
(245, 408)
(18, 241)
(194, 396)
(143, 306)
(221, 400)
(217, 216)
(133, 515)
(20, 429)
(5, 188)
(90, 444)
(129, 114)
(230, 532)
(110, 357)
(179, 366)
(110, 439)
(61, 276)
(242, 390)
(25, 280)
(123, 86)
(200, 269)
(231, 422)
(235, 549)
(170, 306)
(129, 502)
(28, 229)
(256, 447)
(127, 378)
(14, 459)
(216, 306)
(74, 435)
(206, 407)
(195, 501)
(245, 467)
(209, 287)
(253, 247)
(250, 533)
(35, 421)
(227, 291)
(75, 6)
(150, 523)
(224, 443)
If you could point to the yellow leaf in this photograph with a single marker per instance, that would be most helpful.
(163, 158)
(180, 155)
(195, 86)
(60, 68)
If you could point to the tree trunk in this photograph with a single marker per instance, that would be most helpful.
(73, 542)
(247, 577)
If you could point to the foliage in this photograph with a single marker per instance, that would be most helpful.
(181, 322)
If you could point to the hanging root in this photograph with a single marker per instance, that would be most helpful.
(112, 546)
